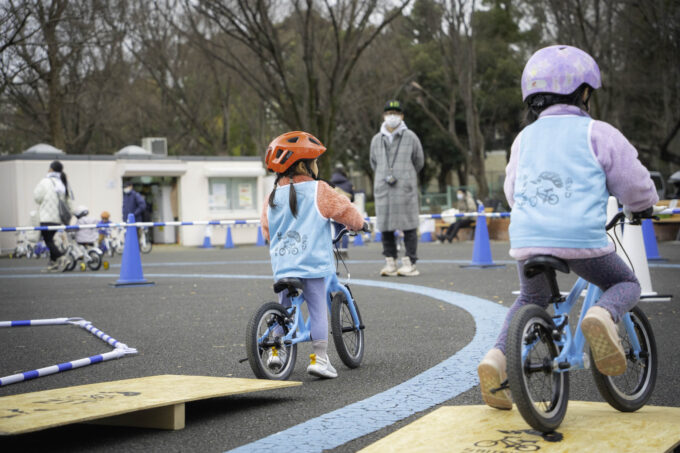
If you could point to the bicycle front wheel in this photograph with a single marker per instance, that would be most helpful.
(145, 246)
(266, 324)
(349, 340)
(95, 260)
(631, 390)
(540, 393)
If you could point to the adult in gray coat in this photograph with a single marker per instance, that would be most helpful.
(396, 158)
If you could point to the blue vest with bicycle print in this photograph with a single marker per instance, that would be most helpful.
(299, 247)
(560, 188)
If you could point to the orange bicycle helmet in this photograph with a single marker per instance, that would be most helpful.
(291, 147)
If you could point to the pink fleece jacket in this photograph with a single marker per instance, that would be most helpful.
(331, 204)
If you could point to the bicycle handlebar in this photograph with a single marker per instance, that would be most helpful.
(637, 216)
(365, 228)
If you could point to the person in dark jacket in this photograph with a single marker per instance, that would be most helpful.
(344, 186)
(133, 203)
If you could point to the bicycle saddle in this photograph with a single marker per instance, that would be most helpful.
(541, 263)
(292, 284)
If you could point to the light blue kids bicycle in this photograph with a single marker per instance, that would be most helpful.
(276, 331)
(542, 350)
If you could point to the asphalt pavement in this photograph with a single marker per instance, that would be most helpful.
(192, 322)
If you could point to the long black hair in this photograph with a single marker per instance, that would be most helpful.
(59, 168)
(293, 170)
(538, 102)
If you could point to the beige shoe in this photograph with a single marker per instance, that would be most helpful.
(491, 371)
(407, 268)
(390, 269)
(600, 331)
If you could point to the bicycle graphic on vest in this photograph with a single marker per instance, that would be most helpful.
(542, 188)
(292, 243)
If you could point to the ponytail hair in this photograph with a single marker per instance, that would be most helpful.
(292, 195)
(64, 180)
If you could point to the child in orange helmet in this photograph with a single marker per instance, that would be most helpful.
(296, 219)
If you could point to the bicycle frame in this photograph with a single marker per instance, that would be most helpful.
(300, 330)
(572, 355)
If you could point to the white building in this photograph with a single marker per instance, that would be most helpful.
(187, 188)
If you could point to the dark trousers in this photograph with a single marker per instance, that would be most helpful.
(452, 230)
(48, 237)
(410, 242)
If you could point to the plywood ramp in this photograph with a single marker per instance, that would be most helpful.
(587, 427)
(150, 402)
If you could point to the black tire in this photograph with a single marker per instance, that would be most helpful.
(71, 263)
(95, 260)
(29, 251)
(267, 315)
(349, 341)
(541, 394)
(631, 390)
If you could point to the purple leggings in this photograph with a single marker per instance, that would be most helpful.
(314, 290)
(620, 288)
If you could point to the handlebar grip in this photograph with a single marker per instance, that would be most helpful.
(612, 223)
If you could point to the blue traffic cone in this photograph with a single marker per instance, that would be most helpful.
(358, 240)
(131, 266)
(260, 239)
(206, 238)
(481, 251)
(426, 237)
(650, 241)
(378, 236)
(228, 242)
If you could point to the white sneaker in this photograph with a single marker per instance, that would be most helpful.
(50, 267)
(273, 358)
(600, 331)
(321, 367)
(407, 268)
(390, 269)
(491, 371)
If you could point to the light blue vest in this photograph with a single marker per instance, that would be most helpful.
(560, 188)
(299, 247)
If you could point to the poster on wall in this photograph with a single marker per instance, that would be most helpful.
(218, 198)
(245, 196)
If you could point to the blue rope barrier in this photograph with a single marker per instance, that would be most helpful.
(246, 222)
(120, 349)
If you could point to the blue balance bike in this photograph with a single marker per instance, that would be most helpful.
(542, 350)
(276, 330)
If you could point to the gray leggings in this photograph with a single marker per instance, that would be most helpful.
(314, 290)
(621, 290)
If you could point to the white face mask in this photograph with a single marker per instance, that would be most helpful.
(127, 189)
(392, 121)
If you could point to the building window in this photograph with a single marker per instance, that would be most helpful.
(232, 194)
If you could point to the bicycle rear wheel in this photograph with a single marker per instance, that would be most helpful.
(348, 340)
(631, 390)
(540, 393)
(95, 260)
(268, 322)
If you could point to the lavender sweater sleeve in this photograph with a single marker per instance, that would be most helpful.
(627, 179)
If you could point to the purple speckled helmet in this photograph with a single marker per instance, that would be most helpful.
(559, 69)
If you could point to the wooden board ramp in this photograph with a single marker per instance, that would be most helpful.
(587, 426)
(148, 402)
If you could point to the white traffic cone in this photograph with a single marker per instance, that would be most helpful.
(632, 252)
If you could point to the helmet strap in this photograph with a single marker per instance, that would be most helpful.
(309, 170)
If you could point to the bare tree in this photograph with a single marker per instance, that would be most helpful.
(303, 52)
(61, 53)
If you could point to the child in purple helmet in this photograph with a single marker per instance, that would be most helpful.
(563, 167)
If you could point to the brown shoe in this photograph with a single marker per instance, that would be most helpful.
(600, 331)
(491, 371)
